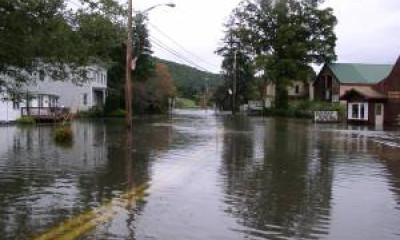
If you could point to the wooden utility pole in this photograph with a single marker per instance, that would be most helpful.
(128, 77)
(234, 83)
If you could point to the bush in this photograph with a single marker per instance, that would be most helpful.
(63, 134)
(92, 113)
(306, 108)
(26, 120)
(119, 113)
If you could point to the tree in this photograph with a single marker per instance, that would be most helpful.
(145, 67)
(142, 49)
(288, 35)
(237, 66)
(51, 36)
(191, 82)
(152, 95)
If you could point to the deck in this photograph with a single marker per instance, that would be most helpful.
(45, 114)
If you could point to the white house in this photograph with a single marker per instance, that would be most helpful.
(9, 110)
(81, 96)
(45, 92)
(297, 90)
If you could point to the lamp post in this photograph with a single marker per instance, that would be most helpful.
(130, 62)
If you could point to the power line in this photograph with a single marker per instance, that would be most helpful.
(181, 47)
(178, 55)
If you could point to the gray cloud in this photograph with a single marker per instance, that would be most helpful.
(368, 30)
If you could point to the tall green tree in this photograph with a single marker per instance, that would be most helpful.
(237, 69)
(145, 69)
(142, 49)
(289, 36)
(53, 34)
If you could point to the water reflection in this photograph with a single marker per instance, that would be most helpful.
(203, 177)
(42, 184)
(277, 185)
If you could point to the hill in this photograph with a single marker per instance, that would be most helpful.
(190, 81)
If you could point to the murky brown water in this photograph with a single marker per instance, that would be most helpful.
(197, 176)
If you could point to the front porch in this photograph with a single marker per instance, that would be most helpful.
(99, 97)
(45, 114)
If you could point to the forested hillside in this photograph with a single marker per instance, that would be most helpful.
(190, 81)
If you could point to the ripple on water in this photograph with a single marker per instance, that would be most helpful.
(208, 178)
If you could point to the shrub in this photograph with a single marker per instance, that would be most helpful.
(119, 113)
(63, 134)
(306, 108)
(26, 120)
(92, 113)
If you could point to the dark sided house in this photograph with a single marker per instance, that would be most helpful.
(370, 91)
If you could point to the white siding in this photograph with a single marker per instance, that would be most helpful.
(7, 112)
(70, 94)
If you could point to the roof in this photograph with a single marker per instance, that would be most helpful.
(360, 73)
(365, 92)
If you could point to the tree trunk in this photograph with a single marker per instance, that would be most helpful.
(281, 96)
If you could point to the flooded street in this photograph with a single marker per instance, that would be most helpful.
(199, 176)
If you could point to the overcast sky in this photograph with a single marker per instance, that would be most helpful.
(368, 30)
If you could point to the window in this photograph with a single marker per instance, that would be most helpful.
(42, 75)
(41, 101)
(297, 89)
(328, 94)
(358, 111)
(335, 98)
(378, 109)
(328, 81)
(85, 98)
(16, 105)
(327, 89)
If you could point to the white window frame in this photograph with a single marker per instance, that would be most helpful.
(85, 99)
(361, 105)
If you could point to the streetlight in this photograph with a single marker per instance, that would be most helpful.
(130, 62)
(171, 5)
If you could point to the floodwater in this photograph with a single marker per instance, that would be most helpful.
(197, 176)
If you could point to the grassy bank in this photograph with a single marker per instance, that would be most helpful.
(184, 103)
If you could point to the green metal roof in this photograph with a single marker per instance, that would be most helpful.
(360, 73)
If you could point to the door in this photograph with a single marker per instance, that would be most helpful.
(379, 112)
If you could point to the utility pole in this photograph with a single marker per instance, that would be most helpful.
(234, 83)
(128, 77)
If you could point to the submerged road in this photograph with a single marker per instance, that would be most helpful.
(199, 176)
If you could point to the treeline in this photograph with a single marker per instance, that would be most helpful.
(191, 82)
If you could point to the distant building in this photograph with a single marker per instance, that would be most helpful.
(296, 90)
(371, 92)
(45, 92)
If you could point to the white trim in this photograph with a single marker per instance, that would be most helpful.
(362, 111)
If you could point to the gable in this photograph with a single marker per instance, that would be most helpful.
(320, 78)
(360, 73)
(392, 82)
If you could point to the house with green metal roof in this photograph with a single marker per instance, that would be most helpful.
(366, 89)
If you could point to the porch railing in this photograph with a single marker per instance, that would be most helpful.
(39, 112)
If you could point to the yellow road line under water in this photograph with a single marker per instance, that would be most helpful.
(84, 222)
